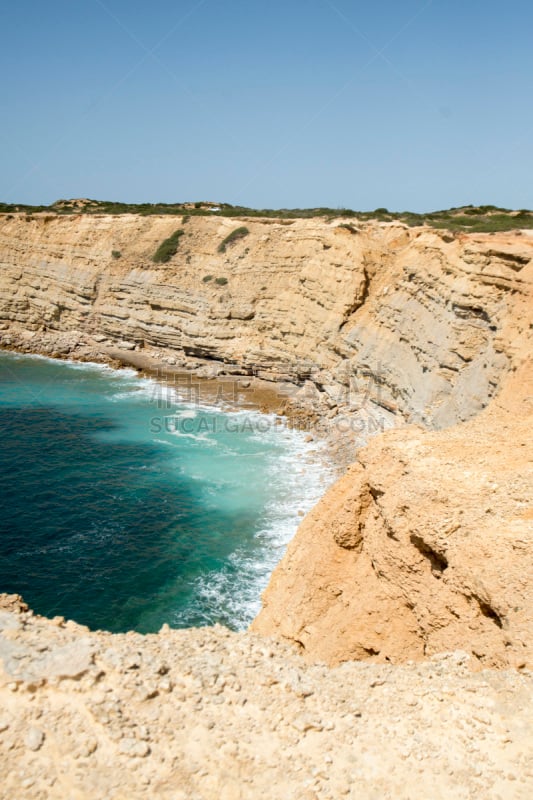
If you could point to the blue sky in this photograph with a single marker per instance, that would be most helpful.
(408, 104)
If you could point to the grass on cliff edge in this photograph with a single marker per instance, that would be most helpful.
(475, 219)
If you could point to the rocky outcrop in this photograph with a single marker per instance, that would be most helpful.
(425, 544)
(403, 558)
(211, 714)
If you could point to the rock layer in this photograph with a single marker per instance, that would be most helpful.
(416, 320)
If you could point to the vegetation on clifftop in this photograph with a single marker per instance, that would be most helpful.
(475, 219)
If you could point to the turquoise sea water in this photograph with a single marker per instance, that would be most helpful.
(123, 506)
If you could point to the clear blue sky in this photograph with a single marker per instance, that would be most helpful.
(408, 104)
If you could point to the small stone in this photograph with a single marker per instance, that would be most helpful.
(304, 724)
(34, 739)
(131, 747)
(88, 748)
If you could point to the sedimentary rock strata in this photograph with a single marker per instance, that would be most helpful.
(418, 321)
(424, 546)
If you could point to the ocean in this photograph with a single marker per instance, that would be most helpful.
(125, 504)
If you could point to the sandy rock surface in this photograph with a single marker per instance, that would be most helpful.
(424, 545)
(418, 321)
(201, 714)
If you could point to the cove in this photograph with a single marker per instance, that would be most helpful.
(123, 506)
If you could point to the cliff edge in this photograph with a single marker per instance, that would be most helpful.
(211, 714)
(425, 545)
(421, 322)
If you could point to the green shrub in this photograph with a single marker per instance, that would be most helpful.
(348, 227)
(221, 281)
(207, 278)
(483, 218)
(168, 248)
(116, 254)
(231, 238)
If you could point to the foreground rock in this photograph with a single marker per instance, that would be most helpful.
(212, 714)
(425, 545)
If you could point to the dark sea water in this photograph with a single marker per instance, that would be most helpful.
(123, 507)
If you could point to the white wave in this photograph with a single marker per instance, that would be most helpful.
(198, 437)
(296, 471)
(187, 414)
(232, 595)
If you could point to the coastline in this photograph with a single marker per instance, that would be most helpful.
(305, 464)
(377, 327)
(412, 573)
(343, 428)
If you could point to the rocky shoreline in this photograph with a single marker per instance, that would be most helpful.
(344, 427)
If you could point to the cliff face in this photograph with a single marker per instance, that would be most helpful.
(420, 322)
(425, 544)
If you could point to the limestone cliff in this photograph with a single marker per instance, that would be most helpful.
(426, 543)
(419, 321)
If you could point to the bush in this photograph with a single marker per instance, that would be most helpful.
(231, 238)
(207, 278)
(168, 248)
(116, 254)
(348, 227)
(221, 281)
